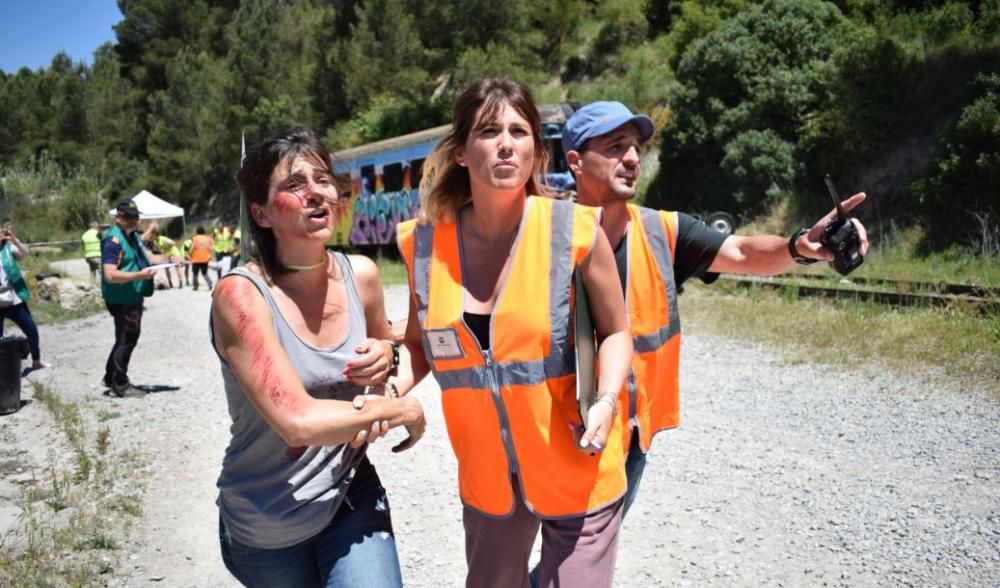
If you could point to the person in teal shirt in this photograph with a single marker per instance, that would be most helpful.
(14, 294)
(126, 280)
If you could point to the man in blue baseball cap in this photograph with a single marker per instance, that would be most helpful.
(656, 251)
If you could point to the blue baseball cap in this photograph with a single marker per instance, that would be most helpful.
(598, 118)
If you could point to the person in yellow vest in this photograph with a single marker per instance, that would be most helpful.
(186, 258)
(491, 264)
(656, 251)
(221, 236)
(168, 247)
(163, 245)
(91, 241)
(201, 255)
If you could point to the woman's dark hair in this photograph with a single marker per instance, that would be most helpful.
(200, 230)
(255, 181)
(445, 186)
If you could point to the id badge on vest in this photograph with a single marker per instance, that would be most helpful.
(443, 343)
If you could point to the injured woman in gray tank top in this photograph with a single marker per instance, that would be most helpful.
(272, 495)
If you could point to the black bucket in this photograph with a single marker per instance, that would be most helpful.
(12, 351)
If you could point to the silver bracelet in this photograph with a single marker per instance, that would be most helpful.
(609, 398)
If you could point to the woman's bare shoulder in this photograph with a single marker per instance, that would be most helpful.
(366, 274)
(364, 267)
(235, 293)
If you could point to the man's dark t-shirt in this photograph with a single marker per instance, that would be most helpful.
(696, 248)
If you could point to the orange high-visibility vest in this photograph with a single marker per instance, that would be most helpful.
(511, 410)
(201, 249)
(651, 302)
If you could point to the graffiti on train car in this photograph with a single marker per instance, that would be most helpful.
(375, 216)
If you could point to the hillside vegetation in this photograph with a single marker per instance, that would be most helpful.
(755, 101)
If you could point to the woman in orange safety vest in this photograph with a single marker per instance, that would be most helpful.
(490, 268)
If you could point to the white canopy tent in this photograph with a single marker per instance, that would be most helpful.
(151, 206)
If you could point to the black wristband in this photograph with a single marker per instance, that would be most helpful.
(395, 355)
(794, 252)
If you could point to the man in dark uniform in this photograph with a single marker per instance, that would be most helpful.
(602, 143)
(125, 281)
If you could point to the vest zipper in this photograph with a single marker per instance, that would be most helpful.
(505, 434)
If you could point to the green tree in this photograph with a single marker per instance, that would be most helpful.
(481, 22)
(745, 92)
(386, 45)
(189, 145)
(153, 32)
(112, 113)
(694, 20)
(558, 21)
(624, 24)
(962, 189)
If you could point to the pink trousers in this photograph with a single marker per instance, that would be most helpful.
(575, 552)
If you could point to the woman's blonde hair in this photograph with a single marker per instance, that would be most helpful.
(445, 186)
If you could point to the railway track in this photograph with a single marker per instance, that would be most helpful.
(985, 299)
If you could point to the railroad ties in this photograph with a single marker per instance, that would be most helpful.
(985, 299)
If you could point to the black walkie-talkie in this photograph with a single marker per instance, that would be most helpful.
(841, 237)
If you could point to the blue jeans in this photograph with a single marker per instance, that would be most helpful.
(357, 548)
(21, 316)
(635, 464)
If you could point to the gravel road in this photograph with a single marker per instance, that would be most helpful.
(781, 475)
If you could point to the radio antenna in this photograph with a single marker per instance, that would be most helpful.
(833, 194)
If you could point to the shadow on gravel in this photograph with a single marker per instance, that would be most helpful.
(155, 388)
(147, 388)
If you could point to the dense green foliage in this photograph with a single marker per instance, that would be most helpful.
(755, 100)
(781, 92)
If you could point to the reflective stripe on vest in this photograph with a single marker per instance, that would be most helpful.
(512, 409)
(651, 301)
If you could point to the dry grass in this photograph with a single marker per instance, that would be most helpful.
(929, 343)
(75, 509)
(393, 271)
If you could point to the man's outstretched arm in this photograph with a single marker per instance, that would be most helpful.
(767, 255)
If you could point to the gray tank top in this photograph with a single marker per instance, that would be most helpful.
(272, 495)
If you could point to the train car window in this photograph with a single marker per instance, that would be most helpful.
(416, 172)
(343, 184)
(557, 159)
(392, 177)
(367, 180)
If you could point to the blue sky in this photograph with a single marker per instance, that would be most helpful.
(33, 31)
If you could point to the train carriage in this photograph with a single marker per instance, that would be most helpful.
(384, 179)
